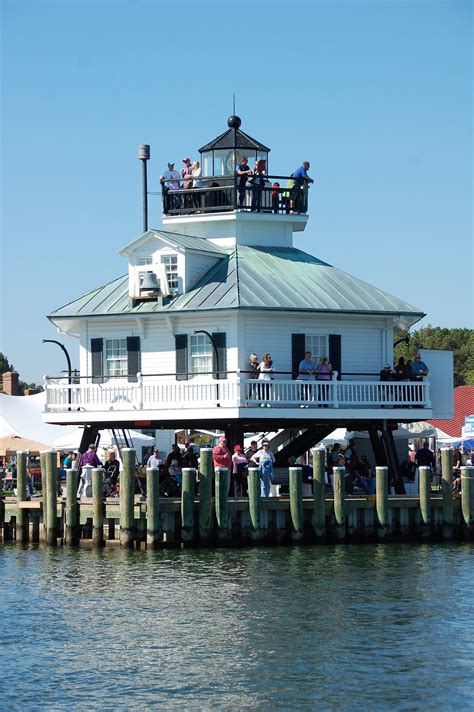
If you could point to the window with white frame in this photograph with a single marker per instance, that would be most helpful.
(200, 355)
(144, 261)
(116, 357)
(170, 263)
(318, 345)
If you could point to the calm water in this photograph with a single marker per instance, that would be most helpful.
(309, 628)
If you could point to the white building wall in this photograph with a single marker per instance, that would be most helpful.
(362, 338)
(157, 337)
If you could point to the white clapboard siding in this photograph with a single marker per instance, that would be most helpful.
(361, 338)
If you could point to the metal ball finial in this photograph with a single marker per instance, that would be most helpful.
(233, 122)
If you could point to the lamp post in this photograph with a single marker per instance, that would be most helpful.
(69, 367)
(144, 156)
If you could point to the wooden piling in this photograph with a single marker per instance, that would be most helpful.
(44, 484)
(338, 476)
(22, 524)
(253, 482)
(447, 462)
(467, 501)
(206, 477)
(296, 503)
(153, 523)
(319, 493)
(127, 498)
(381, 502)
(2, 508)
(72, 509)
(187, 505)
(98, 507)
(51, 477)
(425, 501)
(222, 503)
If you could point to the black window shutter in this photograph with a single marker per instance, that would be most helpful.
(181, 345)
(335, 353)
(297, 352)
(97, 358)
(133, 357)
(219, 341)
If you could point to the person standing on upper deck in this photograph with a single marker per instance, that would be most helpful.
(170, 181)
(243, 172)
(186, 180)
(258, 183)
(265, 369)
(306, 371)
(302, 179)
(418, 369)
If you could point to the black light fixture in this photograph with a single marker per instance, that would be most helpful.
(69, 367)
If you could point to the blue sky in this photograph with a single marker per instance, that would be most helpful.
(377, 95)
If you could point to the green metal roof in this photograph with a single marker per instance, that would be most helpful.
(276, 278)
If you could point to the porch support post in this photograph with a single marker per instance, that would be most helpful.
(206, 476)
(153, 528)
(319, 493)
(222, 503)
(425, 501)
(22, 514)
(447, 458)
(72, 509)
(187, 505)
(338, 477)
(296, 503)
(127, 498)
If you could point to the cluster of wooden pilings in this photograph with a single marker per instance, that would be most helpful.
(213, 519)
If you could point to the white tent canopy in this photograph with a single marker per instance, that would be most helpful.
(21, 415)
(71, 441)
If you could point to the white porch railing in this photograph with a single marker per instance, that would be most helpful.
(151, 393)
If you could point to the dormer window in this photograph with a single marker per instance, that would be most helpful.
(170, 263)
(144, 261)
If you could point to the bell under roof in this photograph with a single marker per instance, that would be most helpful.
(263, 278)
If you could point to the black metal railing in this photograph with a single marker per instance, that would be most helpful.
(223, 194)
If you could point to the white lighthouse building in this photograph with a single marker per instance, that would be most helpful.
(167, 345)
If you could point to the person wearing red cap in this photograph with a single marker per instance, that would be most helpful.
(239, 472)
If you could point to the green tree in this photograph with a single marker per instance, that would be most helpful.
(5, 365)
(459, 341)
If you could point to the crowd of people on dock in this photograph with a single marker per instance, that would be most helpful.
(250, 182)
(359, 473)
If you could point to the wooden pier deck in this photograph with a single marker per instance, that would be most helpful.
(214, 519)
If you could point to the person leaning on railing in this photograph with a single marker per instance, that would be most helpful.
(301, 180)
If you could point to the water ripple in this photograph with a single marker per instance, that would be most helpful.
(326, 627)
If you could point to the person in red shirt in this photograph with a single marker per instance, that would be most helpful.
(221, 456)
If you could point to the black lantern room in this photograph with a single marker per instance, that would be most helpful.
(220, 156)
